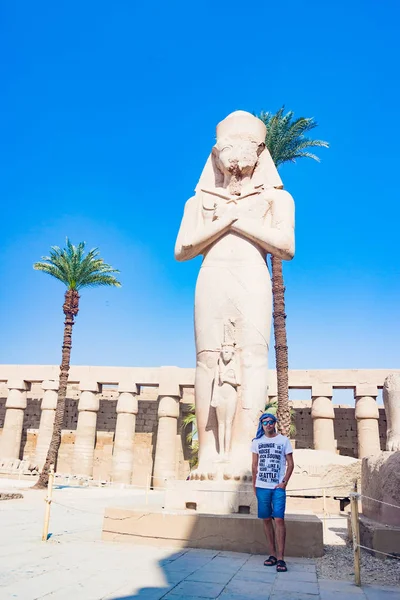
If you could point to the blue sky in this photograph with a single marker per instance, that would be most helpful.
(108, 113)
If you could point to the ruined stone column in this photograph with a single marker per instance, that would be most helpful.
(48, 411)
(10, 441)
(367, 415)
(127, 409)
(85, 436)
(323, 415)
(168, 413)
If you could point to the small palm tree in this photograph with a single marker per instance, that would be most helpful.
(76, 271)
(189, 421)
(286, 141)
(272, 407)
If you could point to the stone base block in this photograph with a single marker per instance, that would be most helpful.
(215, 497)
(319, 470)
(381, 481)
(377, 536)
(188, 529)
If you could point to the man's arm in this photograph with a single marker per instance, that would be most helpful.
(254, 468)
(289, 471)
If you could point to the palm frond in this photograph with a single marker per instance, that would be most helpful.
(51, 269)
(189, 420)
(99, 279)
(304, 155)
(285, 138)
(75, 270)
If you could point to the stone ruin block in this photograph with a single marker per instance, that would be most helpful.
(381, 481)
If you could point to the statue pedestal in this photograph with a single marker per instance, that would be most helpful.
(211, 497)
(189, 529)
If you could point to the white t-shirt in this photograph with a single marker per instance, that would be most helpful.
(271, 459)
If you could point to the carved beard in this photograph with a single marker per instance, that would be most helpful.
(237, 173)
(235, 184)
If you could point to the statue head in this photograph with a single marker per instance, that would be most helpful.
(240, 151)
(227, 352)
(240, 141)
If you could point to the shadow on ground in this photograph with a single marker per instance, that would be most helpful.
(191, 572)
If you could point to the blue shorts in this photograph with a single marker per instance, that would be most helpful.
(271, 503)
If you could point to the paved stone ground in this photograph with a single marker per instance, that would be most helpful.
(75, 563)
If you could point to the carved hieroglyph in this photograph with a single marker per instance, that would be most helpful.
(391, 400)
(238, 214)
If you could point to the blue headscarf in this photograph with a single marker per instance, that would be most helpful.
(260, 430)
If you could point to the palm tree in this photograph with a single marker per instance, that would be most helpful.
(76, 271)
(286, 141)
(189, 421)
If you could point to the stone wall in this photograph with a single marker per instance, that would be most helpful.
(345, 427)
(109, 384)
(145, 435)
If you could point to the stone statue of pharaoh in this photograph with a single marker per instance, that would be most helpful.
(238, 215)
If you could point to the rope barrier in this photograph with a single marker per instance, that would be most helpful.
(71, 507)
(380, 501)
(319, 487)
(127, 487)
(379, 551)
(91, 512)
(78, 509)
(143, 487)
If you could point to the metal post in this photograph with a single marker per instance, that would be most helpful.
(48, 500)
(355, 529)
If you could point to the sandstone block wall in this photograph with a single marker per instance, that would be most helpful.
(345, 427)
(145, 436)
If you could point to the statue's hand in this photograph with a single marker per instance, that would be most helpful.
(226, 213)
(218, 212)
(230, 215)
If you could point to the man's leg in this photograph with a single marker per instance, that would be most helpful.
(278, 512)
(264, 501)
(280, 532)
(270, 535)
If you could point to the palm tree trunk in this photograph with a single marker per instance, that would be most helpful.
(70, 308)
(281, 348)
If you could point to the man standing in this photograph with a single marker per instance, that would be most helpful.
(272, 466)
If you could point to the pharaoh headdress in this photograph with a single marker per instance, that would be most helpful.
(245, 126)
